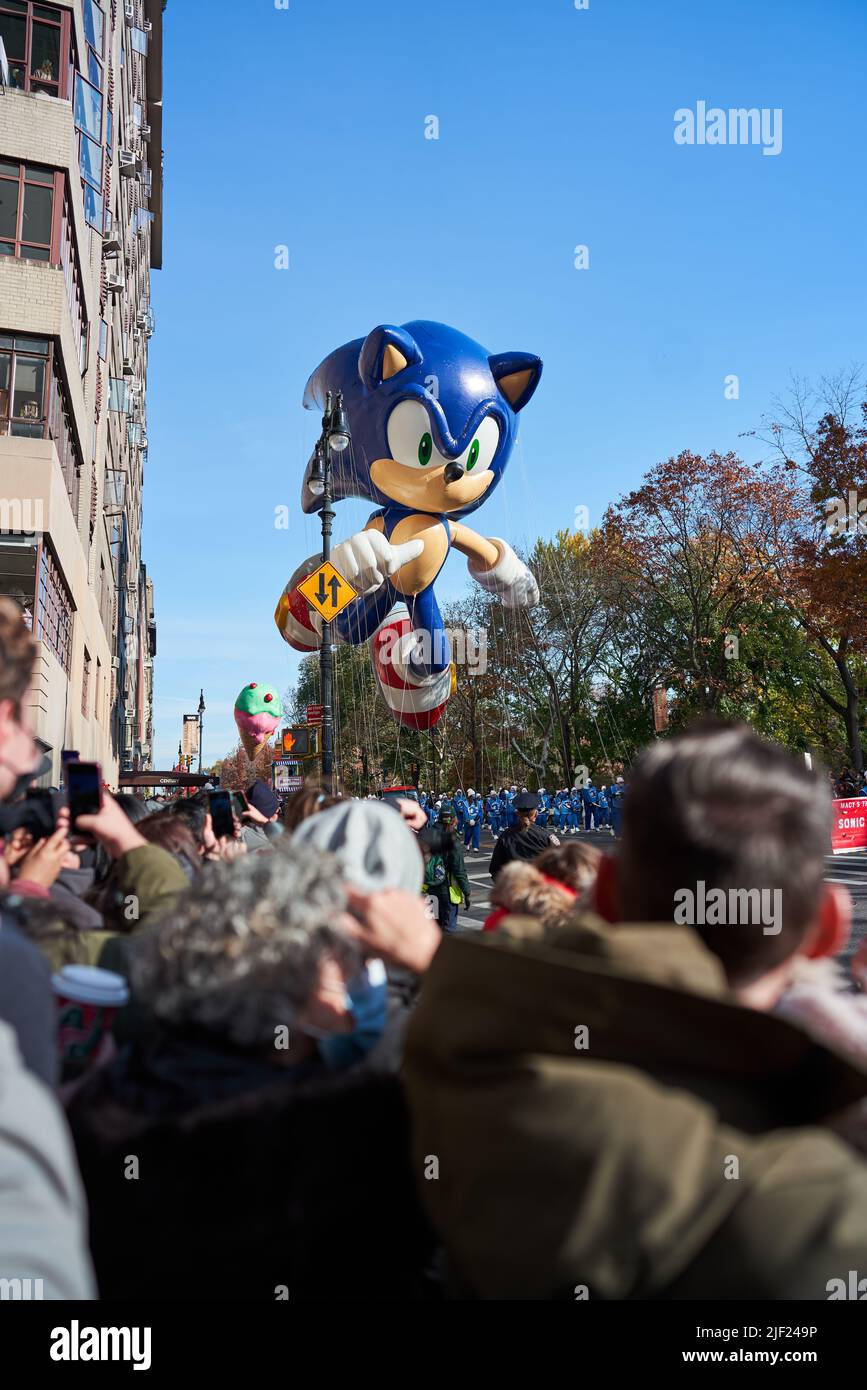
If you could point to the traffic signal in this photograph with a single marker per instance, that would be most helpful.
(301, 741)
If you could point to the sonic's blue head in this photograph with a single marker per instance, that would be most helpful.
(433, 417)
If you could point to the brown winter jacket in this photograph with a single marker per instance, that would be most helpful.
(674, 1150)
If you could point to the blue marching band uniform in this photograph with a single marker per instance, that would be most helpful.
(565, 811)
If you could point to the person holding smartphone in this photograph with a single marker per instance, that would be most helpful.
(260, 823)
(43, 1222)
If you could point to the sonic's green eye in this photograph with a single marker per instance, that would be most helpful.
(473, 455)
(425, 449)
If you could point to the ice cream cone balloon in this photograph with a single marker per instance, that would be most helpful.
(258, 711)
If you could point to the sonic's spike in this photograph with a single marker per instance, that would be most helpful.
(517, 375)
(386, 351)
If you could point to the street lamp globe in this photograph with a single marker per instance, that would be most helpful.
(316, 481)
(338, 429)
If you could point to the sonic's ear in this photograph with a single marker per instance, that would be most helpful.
(517, 375)
(385, 352)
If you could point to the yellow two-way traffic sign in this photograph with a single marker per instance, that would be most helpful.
(328, 591)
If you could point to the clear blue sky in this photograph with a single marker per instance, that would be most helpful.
(305, 127)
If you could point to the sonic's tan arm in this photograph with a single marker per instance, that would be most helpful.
(495, 566)
(485, 553)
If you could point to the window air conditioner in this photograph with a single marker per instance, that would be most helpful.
(129, 11)
(128, 368)
(110, 245)
(146, 131)
(114, 284)
(115, 663)
(129, 164)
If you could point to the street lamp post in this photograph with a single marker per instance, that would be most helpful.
(334, 437)
(201, 712)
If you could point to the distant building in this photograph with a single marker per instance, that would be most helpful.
(80, 232)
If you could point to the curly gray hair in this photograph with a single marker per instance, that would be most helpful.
(241, 952)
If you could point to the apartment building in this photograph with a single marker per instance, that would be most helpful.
(80, 232)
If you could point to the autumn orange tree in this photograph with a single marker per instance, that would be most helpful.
(821, 438)
(703, 548)
(547, 658)
(236, 771)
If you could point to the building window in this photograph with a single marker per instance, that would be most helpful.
(119, 396)
(105, 599)
(94, 26)
(18, 573)
(27, 193)
(60, 429)
(67, 256)
(24, 372)
(54, 609)
(29, 575)
(86, 685)
(34, 401)
(36, 223)
(90, 162)
(94, 208)
(38, 43)
(88, 108)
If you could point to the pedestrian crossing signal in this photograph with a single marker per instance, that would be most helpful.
(301, 741)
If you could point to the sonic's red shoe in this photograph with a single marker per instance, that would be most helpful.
(416, 702)
(299, 624)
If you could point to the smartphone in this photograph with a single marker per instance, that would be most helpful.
(83, 789)
(240, 803)
(221, 814)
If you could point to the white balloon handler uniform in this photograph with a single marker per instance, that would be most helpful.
(368, 561)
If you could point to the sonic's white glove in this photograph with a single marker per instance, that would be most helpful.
(367, 559)
(510, 578)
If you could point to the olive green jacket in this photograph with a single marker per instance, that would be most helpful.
(604, 1117)
(145, 883)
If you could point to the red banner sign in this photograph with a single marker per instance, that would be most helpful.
(849, 830)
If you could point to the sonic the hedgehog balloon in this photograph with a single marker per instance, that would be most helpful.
(433, 417)
(258, 711)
